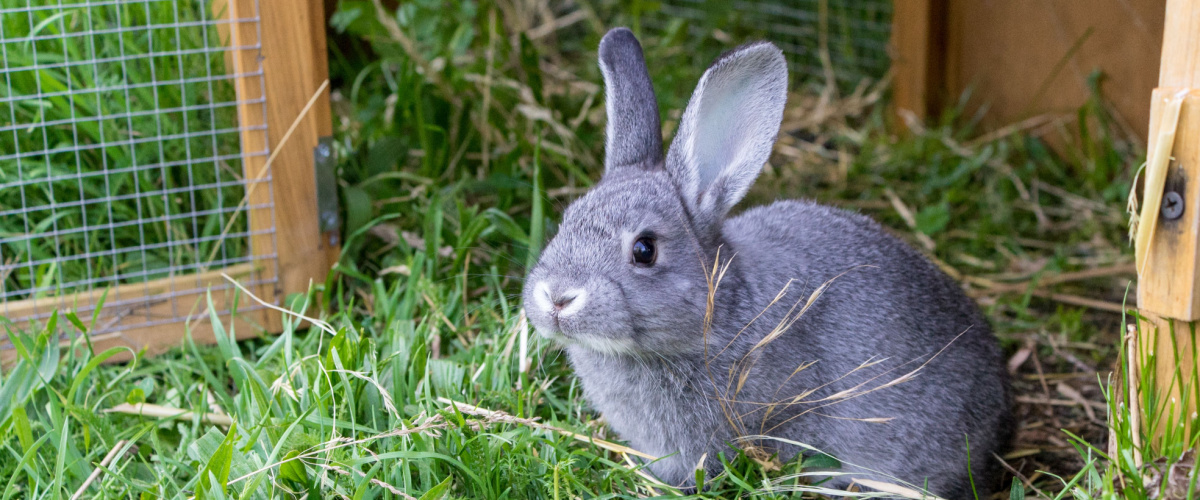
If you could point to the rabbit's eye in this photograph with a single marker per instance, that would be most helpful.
(643, 251)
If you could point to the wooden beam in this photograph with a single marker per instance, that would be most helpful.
(918, 56)
(1168, 278)
(1168, 242)
(288, 46)
(172, 287)
(294, 60)
(1180, 66)
(244, 39)
(156, 323)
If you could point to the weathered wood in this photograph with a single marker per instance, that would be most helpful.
(85, 302)
(292, 59)
(1167, 279)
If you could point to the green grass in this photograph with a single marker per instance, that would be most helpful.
(456, 160)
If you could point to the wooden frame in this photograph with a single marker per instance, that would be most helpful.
(289, 250)
(293, 59)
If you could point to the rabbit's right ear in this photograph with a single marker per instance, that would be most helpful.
(728, 130)
(634, 136)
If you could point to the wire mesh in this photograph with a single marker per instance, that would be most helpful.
(121, 167)
(852, 33)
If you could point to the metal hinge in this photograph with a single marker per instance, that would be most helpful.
(325, 169)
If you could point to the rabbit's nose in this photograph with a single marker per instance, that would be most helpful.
(559, 304)
(570, 301)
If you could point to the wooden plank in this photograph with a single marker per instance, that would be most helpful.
(918, 55)
(1167, 284)
(252, 115)
(295, 67)
(1180, 63)
(187, 302)
(1024, 58)
(86, 301)
(1167, 278)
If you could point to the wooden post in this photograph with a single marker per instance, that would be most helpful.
(295, 67)
(1168, 241)
(293, 63)
(243, 40)
(918, 56)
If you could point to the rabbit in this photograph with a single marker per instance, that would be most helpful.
(695, 334)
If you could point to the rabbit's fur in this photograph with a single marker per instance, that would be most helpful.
(890, 369)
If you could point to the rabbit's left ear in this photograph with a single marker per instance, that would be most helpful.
(634, 136)
(728, 129)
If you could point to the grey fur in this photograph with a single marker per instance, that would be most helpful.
(634, 135)
(636, 335)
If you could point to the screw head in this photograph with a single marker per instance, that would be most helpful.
(1172, 205)
(324, 150)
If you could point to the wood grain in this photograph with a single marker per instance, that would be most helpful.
(294, 64)
(1167, 294)
(1181, 45)
(252, 116)
(1167, 285)
(1024, 58)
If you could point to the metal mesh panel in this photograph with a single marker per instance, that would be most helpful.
(855, 32)
(120, 156)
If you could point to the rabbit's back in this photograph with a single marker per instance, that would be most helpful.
(885, 306)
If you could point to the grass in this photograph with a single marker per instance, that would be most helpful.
(462, 130)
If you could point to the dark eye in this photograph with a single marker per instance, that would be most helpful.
(643, 251)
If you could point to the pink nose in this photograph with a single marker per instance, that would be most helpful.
(563, 303)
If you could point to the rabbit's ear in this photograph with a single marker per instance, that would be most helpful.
(728, 129)
(634, 136)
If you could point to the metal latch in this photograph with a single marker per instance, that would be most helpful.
(325, 168)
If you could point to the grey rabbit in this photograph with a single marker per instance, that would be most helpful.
(695, 334)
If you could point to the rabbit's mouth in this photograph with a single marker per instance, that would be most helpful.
(596, 343)
(554, 334)
(602, 345)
